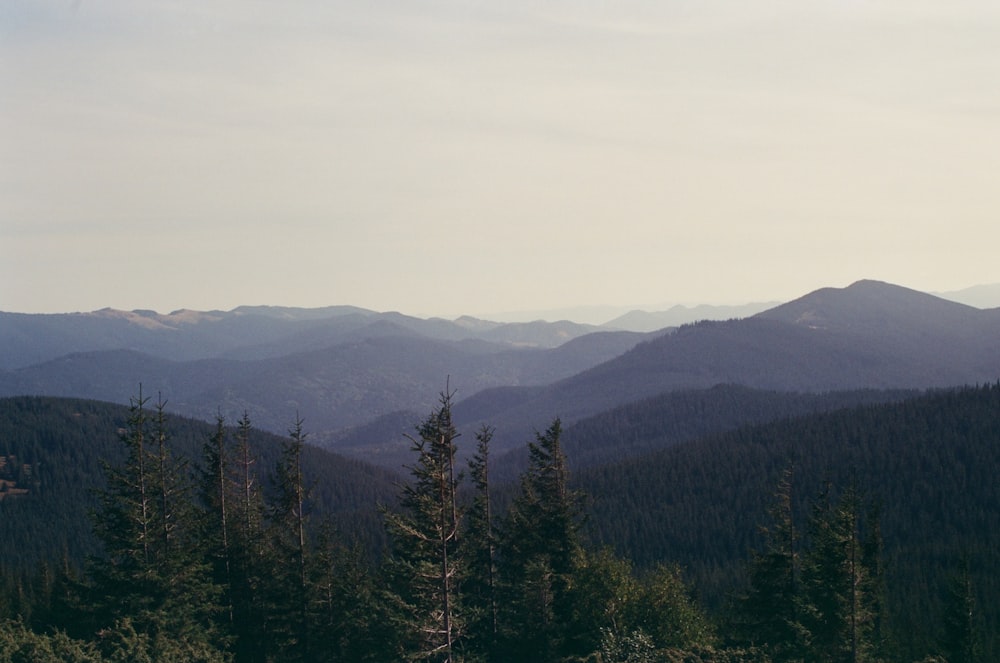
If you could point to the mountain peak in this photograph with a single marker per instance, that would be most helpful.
(868, 305)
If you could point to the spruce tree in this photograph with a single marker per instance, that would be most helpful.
(767, 613)
(479, 586)
(249, 567)
(153, 573)
(540, 547)
(960, 637)
(424, 568)
(289, 585)
(217, 502)
(837, 611)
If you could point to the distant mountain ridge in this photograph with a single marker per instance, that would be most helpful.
(245, 332)
(981, 296)
(869, 335)
(639, 320)
(348, 370)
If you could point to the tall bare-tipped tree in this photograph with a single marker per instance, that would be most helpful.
(479, 586)
(425, 542)
(216, 495)
(290, 582)
(247, 546)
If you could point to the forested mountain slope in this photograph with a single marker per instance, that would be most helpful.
(929, 463)
(869, 335)
(680, 416)
(66, 441)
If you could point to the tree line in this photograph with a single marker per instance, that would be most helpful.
(204, 563)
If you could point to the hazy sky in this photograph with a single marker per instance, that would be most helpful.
(451, 157)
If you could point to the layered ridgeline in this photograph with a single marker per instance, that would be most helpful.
(870, 335)
(339, 367)
(354, 375)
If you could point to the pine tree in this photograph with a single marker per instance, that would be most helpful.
(290, 587)
(479, 586)
(153, 573)
(217, 489)
(960, 640)
(250, 563)
(767, 612)
(540, 547)
(837, 610)
(424, 566)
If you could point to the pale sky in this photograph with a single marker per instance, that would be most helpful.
(446, 157)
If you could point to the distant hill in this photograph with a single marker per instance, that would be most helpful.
(647, 321)
(870, 335)
(65, 442)
(980, 296)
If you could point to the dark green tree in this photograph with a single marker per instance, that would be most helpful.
(837, 611)
(960, 638)
(249, 563)
(767, 613)
(289, 584)
(153, 573)
(540, 547)
(479, 585)
(217, 489)
(424, 567)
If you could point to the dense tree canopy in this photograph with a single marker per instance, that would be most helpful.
(866, 534)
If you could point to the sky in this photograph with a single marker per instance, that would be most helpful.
(452, 157)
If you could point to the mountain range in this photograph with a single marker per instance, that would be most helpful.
(677, 436)
(360, 379)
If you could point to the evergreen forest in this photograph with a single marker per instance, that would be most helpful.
(866, 533)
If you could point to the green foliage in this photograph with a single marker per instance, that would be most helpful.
(604, 597)
(540, 547)
(425, 566)
(183, 577)
(153, 573)
(666, 611)
(929, 463)
(960, 632)
(19, 644)
(287, 588)
(767, 613)
(632, 647)
(837, 611)
(480, 546)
